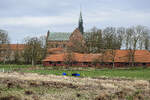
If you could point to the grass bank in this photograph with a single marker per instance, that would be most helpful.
(133, 73)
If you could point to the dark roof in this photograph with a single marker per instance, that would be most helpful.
(3, 31)
(59, 36)
(62, 36)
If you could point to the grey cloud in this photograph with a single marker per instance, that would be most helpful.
(34, 17)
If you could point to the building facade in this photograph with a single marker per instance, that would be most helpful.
(60, 41)
(10, 52)
(120, 59)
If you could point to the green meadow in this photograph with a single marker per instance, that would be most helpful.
(130, 72)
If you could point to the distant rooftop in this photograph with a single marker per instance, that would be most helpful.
(62, 36)
(59, 36)
(3, 31)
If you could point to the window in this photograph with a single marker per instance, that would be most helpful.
(50, 63)
(58, 62)
(143, 64)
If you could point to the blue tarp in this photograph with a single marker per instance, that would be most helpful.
(75, 74)
(64, 74)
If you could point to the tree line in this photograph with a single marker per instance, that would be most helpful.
(111, 39)
(131, 38)
(136, 37)
(95, 41)
(33, 50)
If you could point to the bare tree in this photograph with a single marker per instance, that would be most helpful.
(145, 38)
(69, 58)
(44, 43)
(120, 35)
(27, 55)
(33, 49)
(113, 38)
(136, 33)
(108, 36)
(127, 38)
(112, 56)
(4, 46)
(146, 43)
(16, 55)
(94, 41)
(4, 39)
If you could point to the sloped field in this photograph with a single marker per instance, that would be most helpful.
(29, 86)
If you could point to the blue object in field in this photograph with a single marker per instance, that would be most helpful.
(75, 74)
(64, 74)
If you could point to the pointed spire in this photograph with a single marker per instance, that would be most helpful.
(47, 36)
(80, 18)
(48, 32)
(81, 23)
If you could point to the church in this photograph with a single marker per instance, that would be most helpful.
(57, 42)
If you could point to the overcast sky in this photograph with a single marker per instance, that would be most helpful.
(23, 18)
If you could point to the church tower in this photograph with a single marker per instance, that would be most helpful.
(80, 26)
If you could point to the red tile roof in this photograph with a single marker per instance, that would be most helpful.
(17, 46)
(120, 56)
(14, 46)
(123, 56)
(139, 56)
(55, 50)
(77, 57)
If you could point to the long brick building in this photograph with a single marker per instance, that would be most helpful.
(120, 59)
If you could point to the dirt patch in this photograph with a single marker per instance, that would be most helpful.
(51, 87)
(28, 92)
(10, 98)
(103, 96)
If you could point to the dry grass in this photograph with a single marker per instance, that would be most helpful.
(31, 86)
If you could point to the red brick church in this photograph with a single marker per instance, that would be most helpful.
(57, 42)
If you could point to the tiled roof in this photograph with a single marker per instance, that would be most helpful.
(62, 36)
(17, 46)
(55, 57)
(13, 46)
(55, 50)
(59, 36)
(86, 57)
(77, 57)
(141, 56)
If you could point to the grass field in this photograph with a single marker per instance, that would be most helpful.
(134, 73)
(125, 73)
